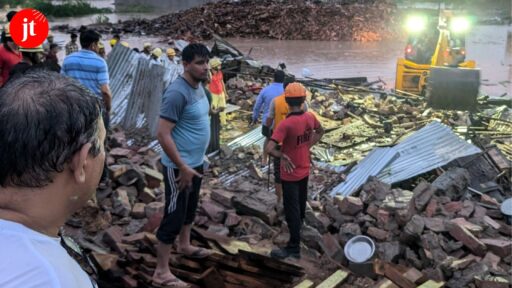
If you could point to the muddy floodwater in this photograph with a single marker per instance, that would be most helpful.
(487, 45)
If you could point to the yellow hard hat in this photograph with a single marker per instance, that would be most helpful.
(35, 49)
(215, 62)
(147, 45)
(125, 44)
(171, 52)
(113, 42)
(157, 52)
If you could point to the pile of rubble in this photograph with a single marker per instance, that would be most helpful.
(292, 20)
(425, 234)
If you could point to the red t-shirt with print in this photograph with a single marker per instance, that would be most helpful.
(296, 133)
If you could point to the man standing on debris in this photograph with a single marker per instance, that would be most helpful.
(276, 114)
(263, 101)
(91, 70)
(71, 46)
(297, 133)
(48, 172)
(183, 133)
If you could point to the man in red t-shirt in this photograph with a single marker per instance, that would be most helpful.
(297, 133)
(9, 56)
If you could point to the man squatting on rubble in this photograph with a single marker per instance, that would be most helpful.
(51, 155)
(184, 134)
(297, 133)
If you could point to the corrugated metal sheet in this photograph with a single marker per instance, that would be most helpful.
(431, 147)
(248, 139)
(137, 87)
(371, 165)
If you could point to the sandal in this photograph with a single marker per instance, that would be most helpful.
(170, 283)
(199, 253)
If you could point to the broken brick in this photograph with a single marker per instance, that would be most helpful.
(422, 195)
(153, 208)
(488, 200)
(153, 178)
(499, 246)
(431, 209)
(105, 262)
(377, 233)
(232, 219)
(468, 225)
(467, 209)
(453, 207)
(491, 222)
(213, 211)
(147, 196)
(351, 205)
(138, 211)
(469, 240)
(435, 224)
(491, 260)
(480, 212)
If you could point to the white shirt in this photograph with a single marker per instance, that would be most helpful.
(30, 259)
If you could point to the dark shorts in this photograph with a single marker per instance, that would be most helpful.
(277, 168)
(180, 206)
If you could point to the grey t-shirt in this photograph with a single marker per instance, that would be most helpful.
(188, 108)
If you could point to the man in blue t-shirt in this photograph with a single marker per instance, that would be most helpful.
(184, 134)
(88, 68)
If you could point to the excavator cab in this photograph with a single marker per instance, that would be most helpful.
(434, 63)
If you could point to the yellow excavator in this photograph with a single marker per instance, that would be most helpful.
(435, 64)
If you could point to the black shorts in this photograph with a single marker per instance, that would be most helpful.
(277, 168)
(180, 206)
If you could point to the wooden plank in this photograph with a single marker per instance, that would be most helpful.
(396, 276)
(432, 284)
(248, 281)
(282, 266)
(305, 284)
(211, 278)
(335, 280)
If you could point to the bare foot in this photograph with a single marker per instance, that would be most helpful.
(194, 252)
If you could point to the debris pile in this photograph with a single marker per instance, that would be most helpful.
(291, 20)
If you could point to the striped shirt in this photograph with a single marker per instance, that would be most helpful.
(88, 68)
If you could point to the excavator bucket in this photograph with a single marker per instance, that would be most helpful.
(453, 88)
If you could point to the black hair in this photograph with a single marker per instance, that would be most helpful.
(295, 102)
(74, 36)
(136, 50)
(117, 36)
(194, 50)
(45, 118)
(288, 80)
(279, 76)
(88, 37)
(53, 45)
(10, 15)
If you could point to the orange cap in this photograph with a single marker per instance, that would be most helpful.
(295, 90)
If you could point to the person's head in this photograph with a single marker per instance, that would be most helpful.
(33, 55)
(117, 37)
(195, 61)
(156, 53)
(10, 15)
(288, 80)
(52, 141)
(54, 48)
(50, 37)
(295, 94)
(171, 53)
(89, 39)
(74, 36)
(147, 47)
(136, 50)
(215, 64)
(279, 76)
(8, 42)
